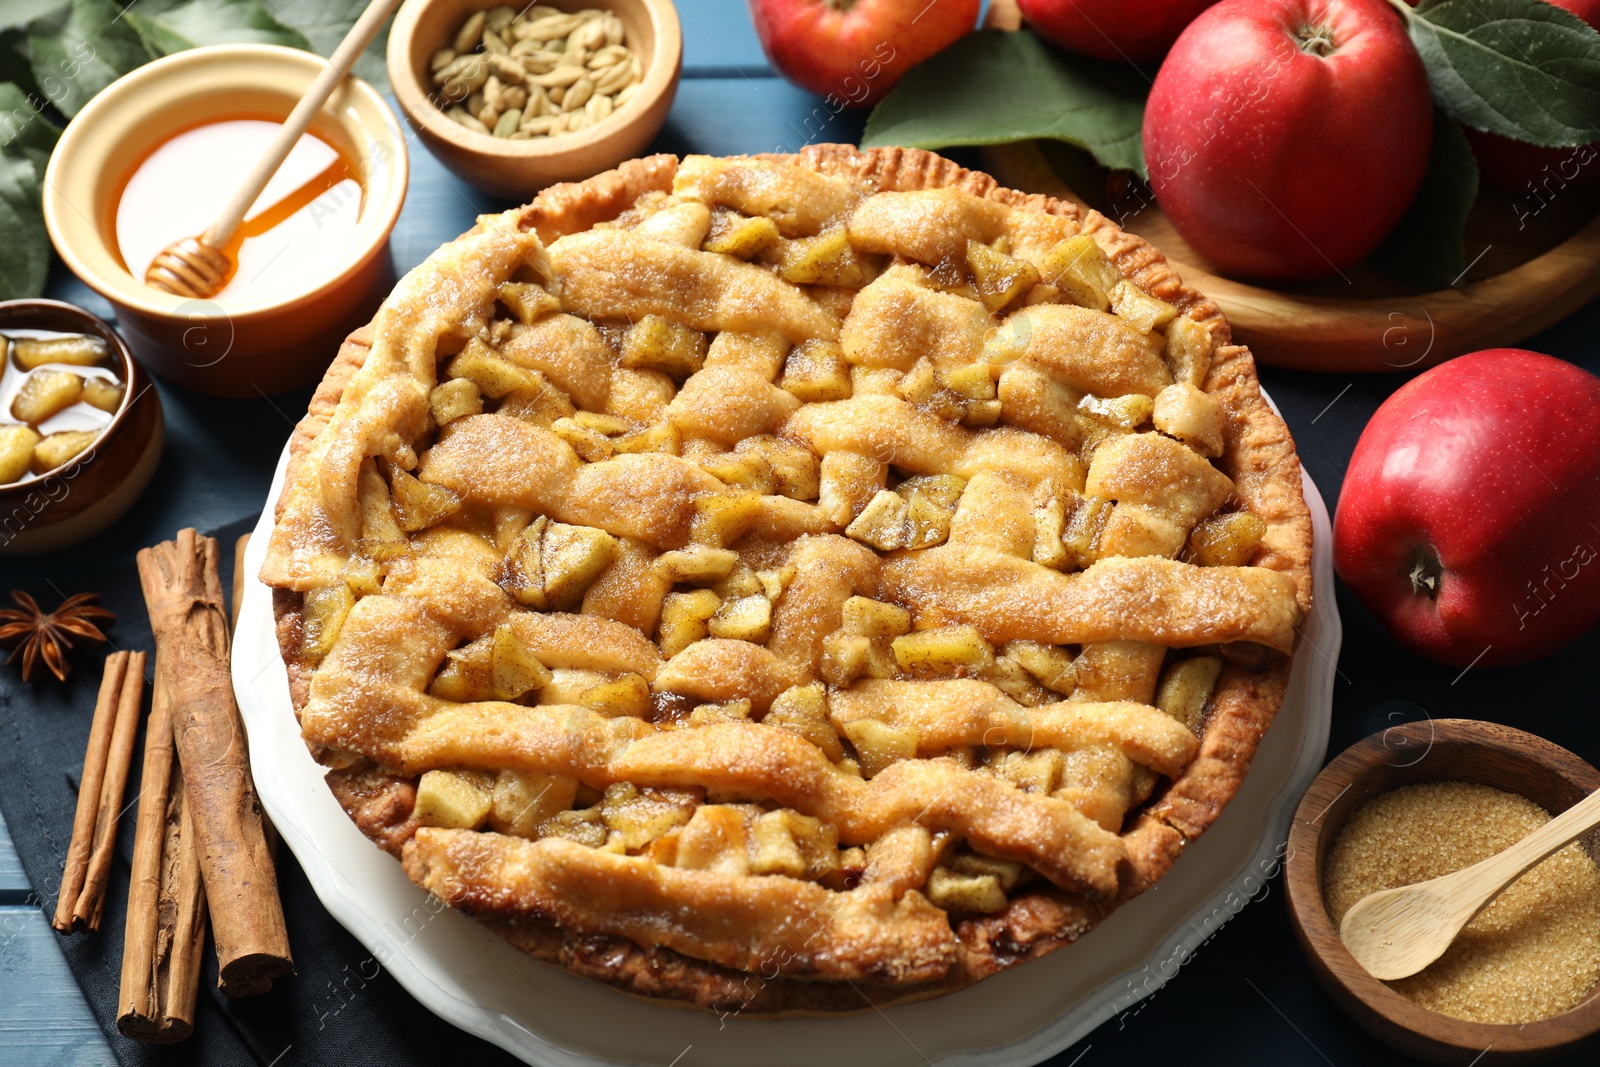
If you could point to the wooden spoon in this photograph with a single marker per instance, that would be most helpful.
(198, 267)
(1397, 932)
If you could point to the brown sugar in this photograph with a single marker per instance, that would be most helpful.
(1532, 953)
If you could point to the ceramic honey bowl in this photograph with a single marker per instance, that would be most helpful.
(149, 154)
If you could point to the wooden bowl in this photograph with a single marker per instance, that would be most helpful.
(518, 169)
(1430, 751)
(1537, 261)
(232, 347)
(94, 488)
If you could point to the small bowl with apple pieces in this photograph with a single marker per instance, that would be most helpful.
(513, 100)
(80, 427)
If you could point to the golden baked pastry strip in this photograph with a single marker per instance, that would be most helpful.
(615, 274)
(898, 319)
(496, 461)
(362, 682)
(932, 226)
(384, 407)
(994, 816)
(754, 924)
(801, 202)
(570, 352)
(957, 712)
(894, 431)
(1092, 350)
(1160, 601)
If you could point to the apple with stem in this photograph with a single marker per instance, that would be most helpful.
(852, 52)
(1286, 138)
(1469, 519)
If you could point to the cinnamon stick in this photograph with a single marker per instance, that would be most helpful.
(183, 591)
(105, 777)
(94, 770)
(166, 928)
(118, 763)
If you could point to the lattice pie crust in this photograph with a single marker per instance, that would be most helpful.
(790, 583)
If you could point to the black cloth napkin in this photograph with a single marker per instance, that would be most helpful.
(341, 1009)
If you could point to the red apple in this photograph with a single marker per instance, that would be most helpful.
(1133, 32)
(1285, 138)
(1511, 165)
(853, 51)
(1469, 520)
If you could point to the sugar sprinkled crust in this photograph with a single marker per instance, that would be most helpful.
(1257, 455)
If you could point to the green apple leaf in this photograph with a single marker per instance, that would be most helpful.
(25, 143)
(25, 253)
(993, 87)
(26, 139)
(22, 12)
(325, 22)
(82, 49)
(201, 22)
(152, 7)
(14, 65)
(23, 131)
(1428, 247)
(1523, 69)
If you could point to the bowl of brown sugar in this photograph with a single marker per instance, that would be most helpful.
(1522, 981)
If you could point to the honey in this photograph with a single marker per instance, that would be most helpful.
(1532, 953)
(291, 236)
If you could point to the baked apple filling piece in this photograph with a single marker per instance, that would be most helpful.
(776, 550)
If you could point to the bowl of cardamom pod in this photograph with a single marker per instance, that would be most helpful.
(514, 99)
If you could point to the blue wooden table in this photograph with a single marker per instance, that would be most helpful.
(1247, 997)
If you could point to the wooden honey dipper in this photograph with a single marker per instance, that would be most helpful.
(198, 267)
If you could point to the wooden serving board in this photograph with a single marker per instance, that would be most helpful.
(1533, 261)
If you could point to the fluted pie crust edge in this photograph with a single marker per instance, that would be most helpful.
(1259, 456)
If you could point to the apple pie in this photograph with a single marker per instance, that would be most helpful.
(789, 584)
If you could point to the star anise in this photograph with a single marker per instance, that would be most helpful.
(47, 637)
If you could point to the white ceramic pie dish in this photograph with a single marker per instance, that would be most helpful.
(468, 976)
